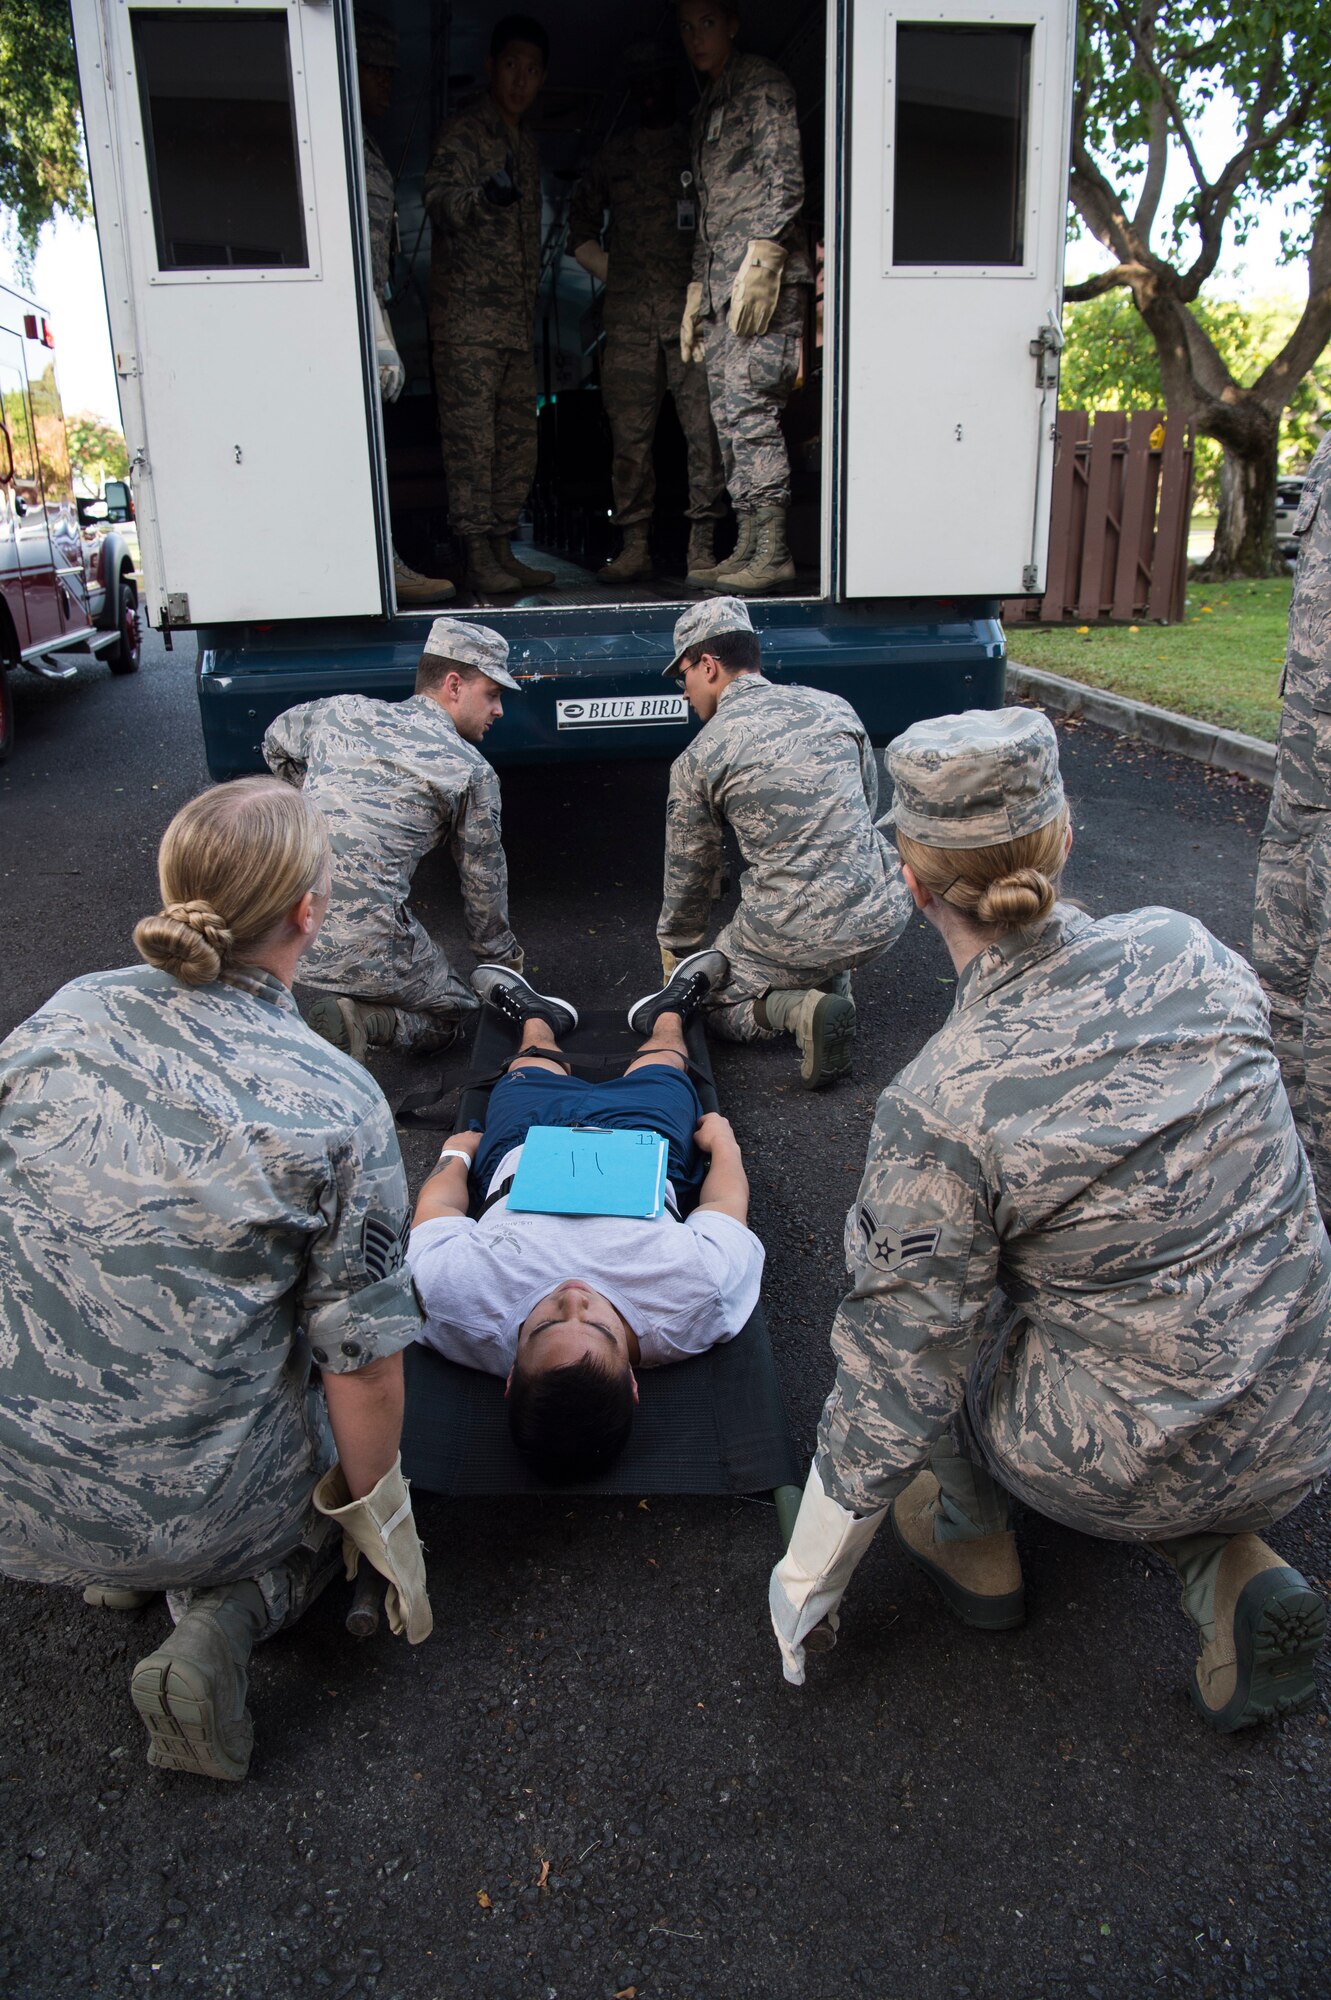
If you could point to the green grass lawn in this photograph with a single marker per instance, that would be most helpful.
(1222, 664)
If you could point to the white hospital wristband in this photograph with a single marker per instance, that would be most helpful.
(452, 1153)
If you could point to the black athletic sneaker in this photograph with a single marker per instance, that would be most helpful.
(683, 993)
(510, 996)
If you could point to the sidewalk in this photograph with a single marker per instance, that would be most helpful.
(1224, 749)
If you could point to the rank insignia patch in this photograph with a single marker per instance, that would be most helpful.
(888, 1248)
(382, 1247)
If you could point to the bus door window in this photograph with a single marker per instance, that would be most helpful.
(220, 127)
(961, 143)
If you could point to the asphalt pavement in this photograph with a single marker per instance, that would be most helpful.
(592, 1780)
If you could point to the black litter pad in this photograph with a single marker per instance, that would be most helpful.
(714, 1424)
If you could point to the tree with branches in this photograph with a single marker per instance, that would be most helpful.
(1146, 71)
(42, 171)
(96, 450)
(1110, 363)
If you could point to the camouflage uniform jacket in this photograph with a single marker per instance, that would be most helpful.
(486, 260)
(792, 771)
(750, 175)
(1086, 1213)
(1304, 769)
(392, 779)
(380, 201)
(636, 175)
(199, 1197)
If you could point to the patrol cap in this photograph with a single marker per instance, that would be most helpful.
(647, 57)
(975, 779)
(707, 620)
(376, 39)
(472, 646)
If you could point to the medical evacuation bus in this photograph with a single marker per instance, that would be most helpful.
(271, 483)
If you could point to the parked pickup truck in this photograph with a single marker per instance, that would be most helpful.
(65, 587)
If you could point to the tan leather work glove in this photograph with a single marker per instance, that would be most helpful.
(392, 375)
(806, 1586)
(594, 259)
(757, 287)
(381, 1528)
(690, 327)
(668, 964)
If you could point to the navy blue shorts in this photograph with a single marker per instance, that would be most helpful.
(655, 1098)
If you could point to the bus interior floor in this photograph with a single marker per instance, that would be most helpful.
(576, 585)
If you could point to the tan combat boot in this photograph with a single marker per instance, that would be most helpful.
(825, 1031)
(529, 579)
(823, 1025)
(350, 1025)
(767, 563)
(1268, 1624)
(117, 1597)
(980, 1581)
(746, 527)
(410, 587)
(701, 561)
(486, 575)
(634, 559)
(190, 1693)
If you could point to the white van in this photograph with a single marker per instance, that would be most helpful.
(225, 146)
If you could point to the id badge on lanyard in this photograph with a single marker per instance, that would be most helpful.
(686, 208)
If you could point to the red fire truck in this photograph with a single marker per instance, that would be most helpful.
(65, 587)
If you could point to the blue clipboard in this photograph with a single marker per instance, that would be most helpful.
(583, 1170)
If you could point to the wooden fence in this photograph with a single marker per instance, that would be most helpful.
(1118, 529)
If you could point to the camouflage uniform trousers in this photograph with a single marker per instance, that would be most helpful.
(979, 1483)
(973, 1502)
(427, 996)
(749, 380)
(1291, 951)
(380, 201)
(287, 1584)
(487, 431)
(641, 361)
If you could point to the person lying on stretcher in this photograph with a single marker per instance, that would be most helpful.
(567, 1306)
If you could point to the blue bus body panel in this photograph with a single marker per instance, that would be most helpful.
(894, 662)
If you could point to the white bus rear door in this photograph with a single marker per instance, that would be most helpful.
(224, 149)
(955, 178)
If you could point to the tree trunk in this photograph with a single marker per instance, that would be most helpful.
(1245, 531)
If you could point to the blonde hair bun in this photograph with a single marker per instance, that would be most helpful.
(232, 864)
(1010, 886)
(186, 939)
(1017, 900)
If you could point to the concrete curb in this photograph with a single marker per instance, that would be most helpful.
(1224, 749)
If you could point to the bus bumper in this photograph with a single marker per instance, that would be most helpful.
(592, 682)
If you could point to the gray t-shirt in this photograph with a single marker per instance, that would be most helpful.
(682, 1286)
